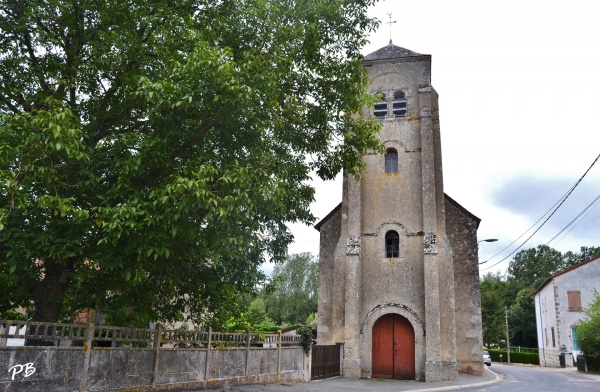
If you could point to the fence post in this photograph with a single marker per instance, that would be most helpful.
(278, 354)
(4, 330)
(247, 352)
(207, 353)
(308, 366)
(87, 349)
(157, 338)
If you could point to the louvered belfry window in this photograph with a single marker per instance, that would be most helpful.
(399, 104)
(381, 108)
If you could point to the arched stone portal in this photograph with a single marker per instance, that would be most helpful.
(393, 345)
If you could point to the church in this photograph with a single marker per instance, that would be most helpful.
(398, 264)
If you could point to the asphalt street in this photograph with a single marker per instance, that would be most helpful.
(497, 378)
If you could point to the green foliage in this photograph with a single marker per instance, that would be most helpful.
(522, 323)
(13, 315)
(588, 335)
(151, 154)
(311, 320)
(293, 297)
(528, 269)
(306, 338)
(492, 309)
(253, 318)
(515, 357)
(585, 253)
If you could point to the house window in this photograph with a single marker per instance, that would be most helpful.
(574, 298)
(553, 337)
(391, 161)
(392, 244)
(399, 104)
(381, 108)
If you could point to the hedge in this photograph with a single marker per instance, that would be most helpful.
(528, 358)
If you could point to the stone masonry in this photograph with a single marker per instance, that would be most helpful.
(431, 278)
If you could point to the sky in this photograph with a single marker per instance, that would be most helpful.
(519, 84)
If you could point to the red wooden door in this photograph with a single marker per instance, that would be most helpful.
(393, 346)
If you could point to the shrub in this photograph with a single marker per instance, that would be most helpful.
(515, 357)
(588, 335)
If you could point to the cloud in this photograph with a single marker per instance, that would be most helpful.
(533, 197)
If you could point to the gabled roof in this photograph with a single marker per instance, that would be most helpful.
(324, 220)
(446, 197)
(462, 209)
(394, 52)
(562, 273)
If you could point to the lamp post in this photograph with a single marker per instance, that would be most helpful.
(486, 240)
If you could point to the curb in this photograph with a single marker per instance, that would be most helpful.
(496, 379)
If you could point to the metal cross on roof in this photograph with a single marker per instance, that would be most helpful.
(391, 23)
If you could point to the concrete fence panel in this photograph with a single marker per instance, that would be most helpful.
(62, 367)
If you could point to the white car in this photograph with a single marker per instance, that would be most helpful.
(487, 358)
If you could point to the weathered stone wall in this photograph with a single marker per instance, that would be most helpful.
(461, 228)
(359, 283)
(551, 358)
(328, 271)
(60, 368)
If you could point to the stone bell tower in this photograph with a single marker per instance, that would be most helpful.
(387, 264)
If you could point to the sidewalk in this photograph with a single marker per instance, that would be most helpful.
(342, 384)
(573, 370)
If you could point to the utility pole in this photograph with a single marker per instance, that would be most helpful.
(507, 341)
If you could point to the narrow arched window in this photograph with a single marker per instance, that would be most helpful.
(392, 244)
(391, 161)
(399, 104)
(381, 108)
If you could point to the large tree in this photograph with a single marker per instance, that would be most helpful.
(521, 316)
(493, 292)
(151, 152)
(530, 267)
(585, 253)
(295, 287)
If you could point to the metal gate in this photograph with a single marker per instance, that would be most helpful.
(325, 362)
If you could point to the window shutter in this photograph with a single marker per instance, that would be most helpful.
(574, 299)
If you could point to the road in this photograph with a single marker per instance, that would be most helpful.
(513, 379)
(533, 379)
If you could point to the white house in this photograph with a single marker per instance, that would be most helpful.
(559, 304)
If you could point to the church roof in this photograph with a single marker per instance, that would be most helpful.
(392, 51)
(324, 220)
(446, 197)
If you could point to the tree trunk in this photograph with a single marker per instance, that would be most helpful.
(48, 296)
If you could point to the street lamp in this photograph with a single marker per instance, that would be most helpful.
(486, 240)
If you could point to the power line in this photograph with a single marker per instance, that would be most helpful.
(589, 209)
(563, 199)
(527, 231)
(532, 226)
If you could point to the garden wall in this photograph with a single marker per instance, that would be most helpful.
(61, 368)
